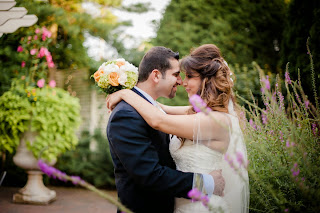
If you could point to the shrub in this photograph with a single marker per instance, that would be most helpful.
(283, 149)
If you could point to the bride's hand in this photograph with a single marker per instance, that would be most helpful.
(219, 182)
(113, 99)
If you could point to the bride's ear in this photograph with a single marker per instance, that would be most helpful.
(156, 75)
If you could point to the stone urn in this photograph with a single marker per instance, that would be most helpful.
(34, 192)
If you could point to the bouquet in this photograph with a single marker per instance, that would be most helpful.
(116, 75)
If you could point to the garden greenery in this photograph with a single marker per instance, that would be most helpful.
(92, 165)
(34, 105)
(283, 149)
(51, 112)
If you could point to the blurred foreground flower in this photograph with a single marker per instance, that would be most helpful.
(199, 105)
(76, 180)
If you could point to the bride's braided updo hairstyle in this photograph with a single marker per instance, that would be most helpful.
(216, 86)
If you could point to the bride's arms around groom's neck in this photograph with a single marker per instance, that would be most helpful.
(180, 125)
(175, 110)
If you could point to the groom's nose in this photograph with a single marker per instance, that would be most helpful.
(179, 80)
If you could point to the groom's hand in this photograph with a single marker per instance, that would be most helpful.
(219, 182)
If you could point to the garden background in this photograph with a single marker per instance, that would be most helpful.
(276, 79)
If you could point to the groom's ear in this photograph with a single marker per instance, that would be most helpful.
(156, 75)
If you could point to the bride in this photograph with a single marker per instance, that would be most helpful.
(202, 142)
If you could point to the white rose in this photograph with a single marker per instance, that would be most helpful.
(131, 68)
(111, 68)
(121, 59)
(122, 79)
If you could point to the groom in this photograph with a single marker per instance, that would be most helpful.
(145, 174)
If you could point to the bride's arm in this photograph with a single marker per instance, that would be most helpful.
(180, 125)
(175, 110)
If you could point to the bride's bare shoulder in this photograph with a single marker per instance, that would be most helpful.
(217, 117)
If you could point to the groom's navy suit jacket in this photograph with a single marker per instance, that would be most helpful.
(145, 174)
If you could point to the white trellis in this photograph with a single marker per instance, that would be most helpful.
(12, 18)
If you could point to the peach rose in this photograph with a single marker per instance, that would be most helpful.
(113, 78)
(97, 75)
(120, 63)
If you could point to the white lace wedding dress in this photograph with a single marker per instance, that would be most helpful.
(197, 159)
(194, 156)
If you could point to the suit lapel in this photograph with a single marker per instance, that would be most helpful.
(136, 91)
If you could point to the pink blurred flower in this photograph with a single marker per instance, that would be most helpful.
(29, 38)
(33, 51)
(199, 104)
(205, 200)
(296, 173)
(23, 64)
(49, 58)
(37, 31)
(20, 49)
(288, 144)
(239, 158)
(35, 37)
(229, 160)
(45, 33)
(43, 52)
(195, 194)
(51, 64)
(40, 83)
(52, 83)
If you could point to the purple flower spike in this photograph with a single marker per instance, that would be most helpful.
(264, 117)
(252, 124)
(307, 104)
(76, 180)
(194, 194)
(198, 104)
(266, 84)
(314, 129)
(287, 76)
(205, 200)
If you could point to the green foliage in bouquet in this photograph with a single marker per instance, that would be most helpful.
(283, 147)
(51, 112)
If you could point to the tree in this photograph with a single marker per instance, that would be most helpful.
(68, 22)
(303, 21)
(244, 30)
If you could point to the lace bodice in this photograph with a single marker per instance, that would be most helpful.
(194, 158)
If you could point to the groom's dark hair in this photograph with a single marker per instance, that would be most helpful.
(156, 58)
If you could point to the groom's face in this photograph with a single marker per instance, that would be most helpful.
(168, 84)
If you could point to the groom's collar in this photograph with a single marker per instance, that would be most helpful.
(144, 95)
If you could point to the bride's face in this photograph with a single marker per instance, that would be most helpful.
(192, 83)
